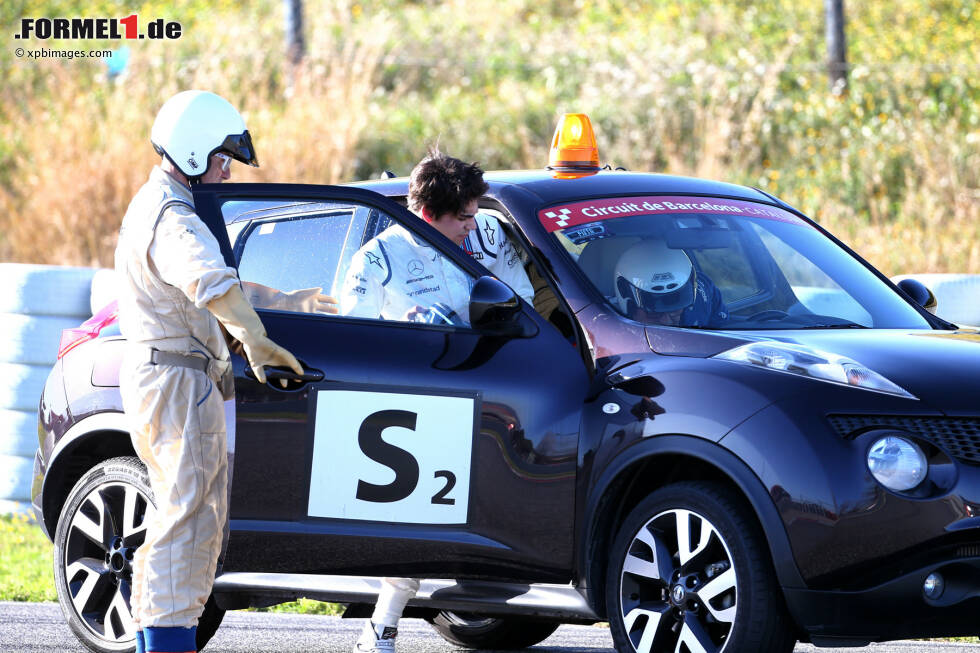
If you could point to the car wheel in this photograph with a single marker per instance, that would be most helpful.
(102, 524)
(689, 571)
(476, 631)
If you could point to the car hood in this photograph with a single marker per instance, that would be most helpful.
(940, 368)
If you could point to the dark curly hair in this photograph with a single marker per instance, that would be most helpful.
(444, 184)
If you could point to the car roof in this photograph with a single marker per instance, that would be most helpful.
(550, 188)
(547, 187)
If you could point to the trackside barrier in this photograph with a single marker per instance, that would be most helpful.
(36, 303)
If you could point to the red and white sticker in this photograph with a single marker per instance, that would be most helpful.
(569, 215)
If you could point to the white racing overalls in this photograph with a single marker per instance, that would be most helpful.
(395, 272)
(170, 267)
(489, 245)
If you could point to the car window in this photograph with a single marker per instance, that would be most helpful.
(813, 287)
(730, 266)
(721, 263)
(287, 260)
(344, 259)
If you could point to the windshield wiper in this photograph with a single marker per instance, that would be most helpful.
(845, 325)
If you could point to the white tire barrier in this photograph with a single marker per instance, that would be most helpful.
(16, 508)
(45, 289)
(18, 432)
(957, 295)
(21, 385)
(15, 477)
(105, 288)
(37, 302)
(32, 339)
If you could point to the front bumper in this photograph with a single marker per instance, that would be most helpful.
(897, 609)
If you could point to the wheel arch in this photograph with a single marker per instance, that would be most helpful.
(88, 442)
(652, 464)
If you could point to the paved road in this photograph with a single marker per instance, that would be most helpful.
(34, 627)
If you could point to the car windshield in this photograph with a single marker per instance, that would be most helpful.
(722, 264)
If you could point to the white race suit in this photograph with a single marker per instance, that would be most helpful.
(395, 272)
(170, 267)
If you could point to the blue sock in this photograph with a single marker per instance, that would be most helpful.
(140, 643)
(170, 640)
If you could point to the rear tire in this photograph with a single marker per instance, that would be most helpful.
(101, 526)
(475, 631)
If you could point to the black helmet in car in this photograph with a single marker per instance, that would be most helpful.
(655, 278)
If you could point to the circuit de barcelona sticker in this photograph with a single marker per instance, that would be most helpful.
(590, 211)
(382, 456)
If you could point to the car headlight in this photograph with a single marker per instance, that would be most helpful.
(813, 363)
(897, 463)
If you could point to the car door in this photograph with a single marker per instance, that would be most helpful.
(412, 448)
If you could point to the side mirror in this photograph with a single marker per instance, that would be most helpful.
(919, 293)
(495, 308)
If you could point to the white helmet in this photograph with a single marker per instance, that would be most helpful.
(193, 125)
(655, 278)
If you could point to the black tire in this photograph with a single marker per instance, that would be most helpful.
(476, 631)
(101, 526)
(714, 588)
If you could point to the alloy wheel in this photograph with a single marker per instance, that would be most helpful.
(678, 586)
(103, 535)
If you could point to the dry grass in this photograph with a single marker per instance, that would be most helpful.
(717, 90)
(82, 154)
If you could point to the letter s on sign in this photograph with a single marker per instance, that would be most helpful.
(401, 462)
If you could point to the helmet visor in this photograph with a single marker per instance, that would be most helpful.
(660, 299)
(240, 146)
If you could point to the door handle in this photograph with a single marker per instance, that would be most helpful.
(275, 373)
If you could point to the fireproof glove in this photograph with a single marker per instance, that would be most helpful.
(309, 300)
(244, 325)
(306, 300)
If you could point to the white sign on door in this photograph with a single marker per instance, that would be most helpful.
(384, 456)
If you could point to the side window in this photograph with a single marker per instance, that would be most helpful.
(291, 255)
(343, 259)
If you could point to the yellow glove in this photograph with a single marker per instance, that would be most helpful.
(309, 300)
(244, 325)
(306, 300)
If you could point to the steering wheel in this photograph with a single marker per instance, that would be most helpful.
(768, 316)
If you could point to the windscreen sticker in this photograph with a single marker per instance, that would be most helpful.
(267, 228)
(581, 213)
(382, 456)
(587, 232)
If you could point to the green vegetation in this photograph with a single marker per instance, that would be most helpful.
(728, 90)
(25, 561)
(25, 569)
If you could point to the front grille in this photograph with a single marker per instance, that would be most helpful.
(959, 436)
(969, 551)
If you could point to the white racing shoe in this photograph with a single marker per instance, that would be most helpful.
(376, 639)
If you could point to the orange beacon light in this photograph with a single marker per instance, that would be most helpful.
(574, 146)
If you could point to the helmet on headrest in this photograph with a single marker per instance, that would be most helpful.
(655, 278)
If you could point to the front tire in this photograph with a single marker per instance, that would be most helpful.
(101, 526)
(476, 631)
(689, 568)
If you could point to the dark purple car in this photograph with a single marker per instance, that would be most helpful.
(802, 464)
